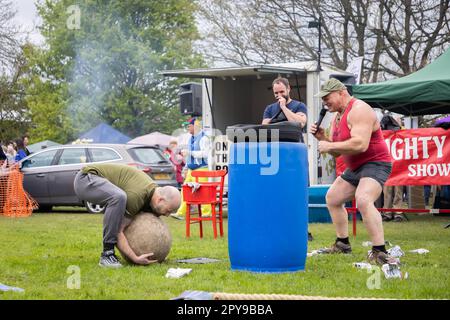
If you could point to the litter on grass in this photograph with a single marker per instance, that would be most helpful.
(392, 271)
(362, 265)
(4, 287)
(318, 251)
(176, 273)
(396, 252)
(420, 251)
(369, 244)
(366, 244)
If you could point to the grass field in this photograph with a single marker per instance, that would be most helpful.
(40, 254)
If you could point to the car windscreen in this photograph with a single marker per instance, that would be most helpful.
(148, 155)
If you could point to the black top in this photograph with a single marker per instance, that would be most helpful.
(2, 154)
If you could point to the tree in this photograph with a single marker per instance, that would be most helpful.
(396, 37)
(46, 96)
(13, 108)
(102, 63)
(9, 45)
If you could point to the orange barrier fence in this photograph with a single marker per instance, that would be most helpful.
(14, 200)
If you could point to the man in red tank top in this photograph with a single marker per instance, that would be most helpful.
(356, 135)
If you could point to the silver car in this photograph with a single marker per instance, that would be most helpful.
(49, 174)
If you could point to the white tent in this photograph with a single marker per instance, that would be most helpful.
(41, 145)
(154, 138)
(183, 140)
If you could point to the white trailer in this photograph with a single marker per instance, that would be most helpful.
(239, 95)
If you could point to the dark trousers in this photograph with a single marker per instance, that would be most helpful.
(98, 190)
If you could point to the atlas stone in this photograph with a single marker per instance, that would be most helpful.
(149, 233)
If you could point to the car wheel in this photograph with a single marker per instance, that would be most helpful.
(94, 208)
(44, 208)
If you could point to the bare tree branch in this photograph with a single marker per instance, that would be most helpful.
(9, 44)
(396, 37)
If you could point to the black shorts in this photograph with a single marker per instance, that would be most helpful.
(378, 171)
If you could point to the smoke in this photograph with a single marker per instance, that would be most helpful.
(87, 88)
(112, 74)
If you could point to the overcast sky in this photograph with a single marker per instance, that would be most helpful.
(27, 18)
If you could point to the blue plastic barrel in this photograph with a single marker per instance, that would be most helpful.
(268, 206)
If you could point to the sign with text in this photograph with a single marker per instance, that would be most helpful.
(419, 156)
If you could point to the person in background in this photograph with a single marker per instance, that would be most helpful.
(427, 194)
(25, 139)
(196, 159)
(285, 109)
(2, 154)
(177, 160)
(3, 171)
(292, 110)
(11, 153)
(393, 195)
(21, 153)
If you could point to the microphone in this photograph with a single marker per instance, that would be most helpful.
(279, 111)
(321, 116)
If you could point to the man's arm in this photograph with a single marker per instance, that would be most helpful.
(267, 116)
(125, 249)
(296, 117)
(361, 120)
(291, 116)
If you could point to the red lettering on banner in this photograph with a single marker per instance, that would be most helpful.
(420, 156)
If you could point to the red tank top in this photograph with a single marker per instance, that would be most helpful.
(377, 150)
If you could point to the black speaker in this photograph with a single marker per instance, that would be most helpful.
(191, 99)
(348, 81)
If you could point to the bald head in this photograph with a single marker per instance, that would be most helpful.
(166, 200)
(172, 196)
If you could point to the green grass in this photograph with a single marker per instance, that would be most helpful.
(36, 253)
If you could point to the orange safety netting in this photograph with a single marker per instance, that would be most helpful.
(14, 200)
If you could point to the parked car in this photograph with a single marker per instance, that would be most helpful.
(49, 174)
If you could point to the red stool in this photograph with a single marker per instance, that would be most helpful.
(209, 193)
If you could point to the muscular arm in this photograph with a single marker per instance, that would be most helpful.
(361, 120)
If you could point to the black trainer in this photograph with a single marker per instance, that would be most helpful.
(109, 260)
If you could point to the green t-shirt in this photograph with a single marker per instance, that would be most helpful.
(138, 186)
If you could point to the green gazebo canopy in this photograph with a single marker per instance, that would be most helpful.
(426, 91)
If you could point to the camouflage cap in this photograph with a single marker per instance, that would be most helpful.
(330, 86)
